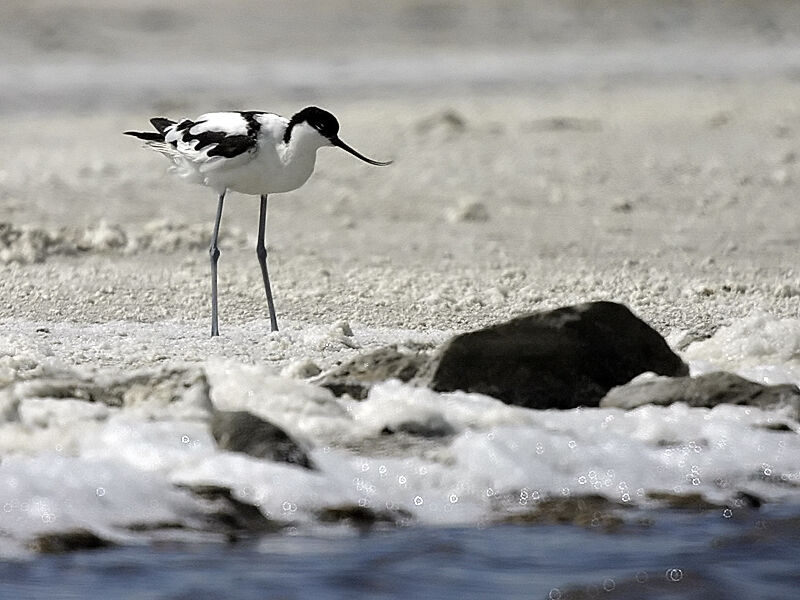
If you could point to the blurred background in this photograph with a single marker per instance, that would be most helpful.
(89, 54)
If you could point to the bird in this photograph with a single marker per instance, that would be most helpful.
(250, 152)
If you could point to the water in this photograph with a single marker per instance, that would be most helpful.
(677, 556)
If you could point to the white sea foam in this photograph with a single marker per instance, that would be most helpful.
(67, 463)
(760, 347)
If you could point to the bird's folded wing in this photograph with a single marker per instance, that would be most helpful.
(214, 140)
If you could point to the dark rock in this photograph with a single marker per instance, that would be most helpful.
(362, 517)
(241, 431)
(231, 516)
(355, 377)
(67, 541)
(562, 358)
(222, 514)
(693, 502)
(161, 386)
(779, 427)
(592, 511)
(436, 428)
(704, 391)
(747, 500)
(149, 527)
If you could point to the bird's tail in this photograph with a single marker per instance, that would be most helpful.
(160, 124)
(155, 139)
(147, 136)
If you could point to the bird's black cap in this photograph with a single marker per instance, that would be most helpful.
(319, 119)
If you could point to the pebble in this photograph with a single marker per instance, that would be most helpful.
(468, 210)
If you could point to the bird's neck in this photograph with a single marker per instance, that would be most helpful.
(302, 146)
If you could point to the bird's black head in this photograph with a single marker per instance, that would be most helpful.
(321, 120)
(328, 127)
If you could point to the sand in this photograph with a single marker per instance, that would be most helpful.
(670, 188)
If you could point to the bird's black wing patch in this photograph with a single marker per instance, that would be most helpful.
(161, 124)
(225, 144)
(186, 124)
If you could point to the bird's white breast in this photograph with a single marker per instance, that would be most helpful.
(273, 167)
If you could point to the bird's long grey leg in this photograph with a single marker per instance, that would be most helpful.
(261, 251)
(213, 251)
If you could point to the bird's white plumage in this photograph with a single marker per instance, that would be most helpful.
(269, 165)
(232, 123)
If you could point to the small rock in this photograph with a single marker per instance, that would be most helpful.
(622, 205)
(67, 541)
(779, 427)
(342, 328)
(703, 391)
(693, 502)
(699, 289)
(786, 290)
(242, 431)
(434, 427)
(229, 515)
(151, 526)
(362, 517)
(301, 369)
(355, 377)
(591, 511)
(158, 388)
(468, 210)
(719, 119)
